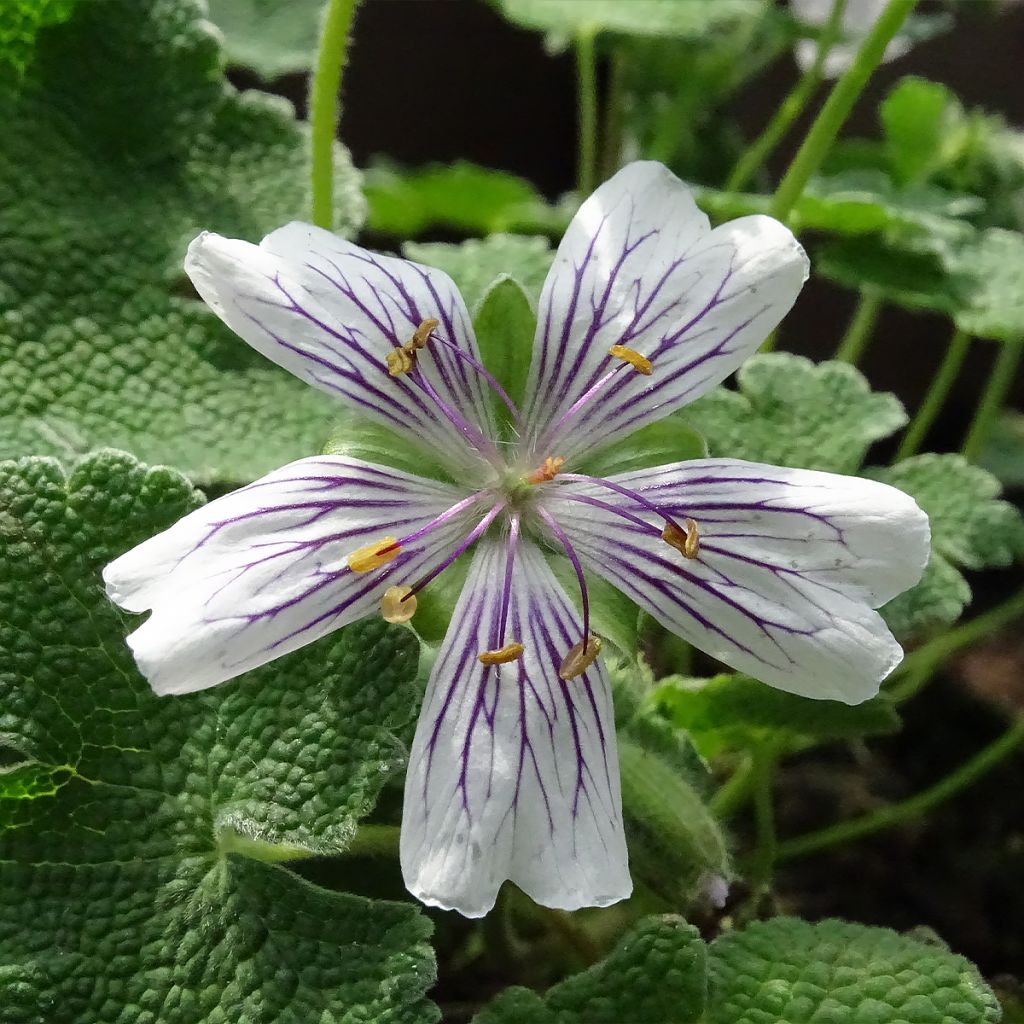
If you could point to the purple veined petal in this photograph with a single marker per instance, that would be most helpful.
(330, 312)
(263, 571)
(514, 772)
(790, 565)
(640, 267)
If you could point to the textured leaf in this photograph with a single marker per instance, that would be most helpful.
(476, 264)
(504, 324)
(122, 142)
(790, 412)
(1003, 454)
(735, 710)
(462, 196)
(788, 971)
(692, 18)
(135, 900)
(20, 23)
(656, 974)
(272, 37)
(971, 528)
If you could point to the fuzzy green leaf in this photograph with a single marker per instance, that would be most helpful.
(790, 412)
(504, 325)
(667, 440)
(1003, 453)
(656, 974)
(122, 142)
(20, 24)
(460, 196)
(475, 265)
(135, 902)
(788, 971)
(972, 528)
(272, 37)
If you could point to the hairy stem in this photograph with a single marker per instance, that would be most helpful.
(762, 861)
(837, 107)
(324, 105)
(913, 807)
(935, 398)
(586, 76)
(862, 326)
(374, 841)
(754, 157)
(993, 398)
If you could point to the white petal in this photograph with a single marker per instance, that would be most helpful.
(514, 772)
(639, 267)
(330, 312)
(263, 571)
(790, 566)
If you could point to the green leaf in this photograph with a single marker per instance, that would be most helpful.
(670, 439)
(735, 710)
(974, 277)
(692, 19)
(504, 325)
(791, 972)
(656, 974)
(122, 143)
(135, 904)
(971, 528)
(790, 412)
(20, 24)
(475, 265)
(462, 196)
(1003, 454)
(359, 438)
(271, 37)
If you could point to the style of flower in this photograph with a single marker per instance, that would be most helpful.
(513, 772)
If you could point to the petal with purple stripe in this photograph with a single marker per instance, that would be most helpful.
(513, 772)
(263, 571)
(639, 267)
(330, 312)
(789, 566)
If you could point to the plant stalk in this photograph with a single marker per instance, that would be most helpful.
(325, 106)
(837, 107)
(862, 326)
(586, 77)
(762, 860)
(993, 398)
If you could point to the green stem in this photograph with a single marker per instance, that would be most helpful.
(611, 141)
(837, 107)
(324, 105)
(751, 161)
(862, 326)
(935, 398)
(734, 792)
(762, 860)
(914, 807)
(586, 73)
(994, 397)
(374, 841)
(920, 664)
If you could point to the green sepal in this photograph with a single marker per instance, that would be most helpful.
(668, 440)
(360, 438)
(613, 616)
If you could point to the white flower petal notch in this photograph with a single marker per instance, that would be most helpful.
(513, 772)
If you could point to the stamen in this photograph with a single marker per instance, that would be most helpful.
(548, 470)
(517, 416)
(627, 493)
(373, 556)
(570, 552)
(639, 363)
(422, 334)
(399, 361)
(685, 541)
(510, 652)
(580, 658)
(398, 604)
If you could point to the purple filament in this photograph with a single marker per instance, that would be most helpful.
(577, 568)
(626, 493)
(485, 373)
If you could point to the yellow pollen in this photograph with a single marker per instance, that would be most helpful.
(373, 556)
(548, 470)
(580, 657)
(400, 360)
(422, 334)
(396, 605)
(503, 655)
(639, 363)
(686, 543)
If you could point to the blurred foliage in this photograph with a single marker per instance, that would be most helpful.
(269, 37)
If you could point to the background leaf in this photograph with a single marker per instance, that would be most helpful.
(268, 36)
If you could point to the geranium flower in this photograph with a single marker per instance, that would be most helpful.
(513, 773)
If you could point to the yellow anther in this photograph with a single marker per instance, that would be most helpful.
(503, 655)
(400, 360)
(639, 363)
(422, 334)
(580, 657)
(548, 470)
(686, 543)
(373, 556)
(398, 604)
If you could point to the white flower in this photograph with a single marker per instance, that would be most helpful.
(513, 772)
